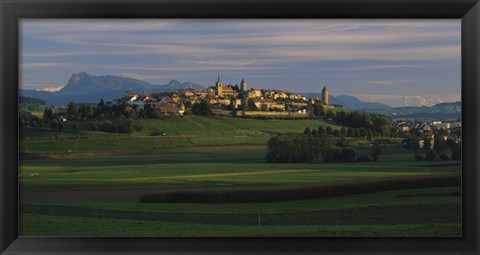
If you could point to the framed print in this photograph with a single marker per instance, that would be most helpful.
(240, 127)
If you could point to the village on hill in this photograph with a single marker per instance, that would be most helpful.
(230, 100)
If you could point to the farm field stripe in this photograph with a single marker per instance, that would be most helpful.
(301, 192)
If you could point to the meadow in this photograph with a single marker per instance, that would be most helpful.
(94, 189)
(180, 132)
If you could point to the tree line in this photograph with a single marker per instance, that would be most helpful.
(117, 118)
(347, 132)
(436, 151)
(371, 124)
(309, 148)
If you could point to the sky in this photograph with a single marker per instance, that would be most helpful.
(371, 59)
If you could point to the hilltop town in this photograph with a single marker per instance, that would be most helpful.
(230, 100)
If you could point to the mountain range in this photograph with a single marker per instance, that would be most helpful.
(86, 88)
(441, 111)
(350, 102)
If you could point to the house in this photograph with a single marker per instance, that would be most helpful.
(229, 91)
(169, 109)
(189, 92)
(254, 93)
(140, 104)
(404, 127)
(175, 98)
(236, 102)
(165, 100)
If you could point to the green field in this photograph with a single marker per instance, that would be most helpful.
(186, 131)
(94, 190)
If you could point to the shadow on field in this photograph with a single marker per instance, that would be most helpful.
(368, 215)
(301, 192)
(191, 154)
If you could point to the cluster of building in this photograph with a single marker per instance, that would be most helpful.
(429, 129)
(228, 97)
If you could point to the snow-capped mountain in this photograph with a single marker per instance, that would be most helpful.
(402, 101)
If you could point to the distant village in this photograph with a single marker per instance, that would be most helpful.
(230, 100)
(427, 131)
(241, 101)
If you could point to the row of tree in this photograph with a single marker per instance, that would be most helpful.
(347, 132)
(118, 125)
(379, 125)
(438, 150)
(308, 149)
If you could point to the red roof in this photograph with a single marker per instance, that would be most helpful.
(167, 108)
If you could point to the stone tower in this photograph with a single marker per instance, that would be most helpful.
(325, 95)
(218, 85)
(244, 85)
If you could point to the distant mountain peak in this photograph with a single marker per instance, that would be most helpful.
(173, 81)
(85, 88)
(80, 74)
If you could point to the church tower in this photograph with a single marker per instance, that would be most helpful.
(218, 85)
(244, 85)
(325, 95)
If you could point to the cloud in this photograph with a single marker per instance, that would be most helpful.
(280, 51)
(37, 27)
(415, 53)
(46, 65)
(180, 68)
(282, 39)
(143, 77)
(384, 82)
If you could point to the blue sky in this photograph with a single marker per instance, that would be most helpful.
(368, 58)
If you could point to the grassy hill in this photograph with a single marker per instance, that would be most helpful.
(186, 131)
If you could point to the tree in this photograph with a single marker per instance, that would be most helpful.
(307, 131)
(251, 105)
(413, 143)
(242, 106)
(363, 132)
(330, 114)
(364, 158)
(47, 114)
(350, 132)
(202, 108)
(321, 131)
(100, 106)
(85, 111)
(375, 151)
(439, 144)
(430, 156)
(356, 132)
(329, 130)
(72, 110)
(456, 151)
(369, 133)
(54, 123)
(332, 155)
(348, 155)
(318, 109)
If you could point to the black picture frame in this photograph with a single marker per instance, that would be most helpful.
(13, 10)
